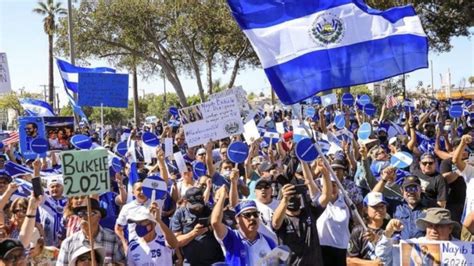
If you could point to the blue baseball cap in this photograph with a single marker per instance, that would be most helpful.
(244, 206)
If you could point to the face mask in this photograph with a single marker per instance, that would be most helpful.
(294, 204)
(141, 230)
(447, 128)
(226, 173)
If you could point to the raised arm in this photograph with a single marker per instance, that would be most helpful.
(279, 215)
(308, 178)
(28, 225)
(457, 156)
(216, 216)
(211, 170)
(234, 188)
(388, 175)
(160, 155)
(326, 185)
(170, 238)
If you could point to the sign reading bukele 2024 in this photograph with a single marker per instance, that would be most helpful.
(85, 172)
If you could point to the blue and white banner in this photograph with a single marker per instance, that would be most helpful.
(77, 109)
(309, 46)
(70, 73)
(34, 107)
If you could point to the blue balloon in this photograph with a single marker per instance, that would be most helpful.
(370, 109)
(340, 121)
(116, 164)
(401, 160)
(81, 142)
(456, 111)
(306, 151)
(39, 145)
(364, 99)
(238, 152)
(150, 139)
(156, 183)
(122, 148)
(347, 99)
(364, 132)
(199, 169)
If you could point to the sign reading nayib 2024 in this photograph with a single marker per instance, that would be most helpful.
(85, 172)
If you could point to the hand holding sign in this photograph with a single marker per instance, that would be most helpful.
(401, 160)
(150, 139)
(157, 184)
(306, 151)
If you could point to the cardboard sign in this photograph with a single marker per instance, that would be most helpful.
(364, 99)
(369, 109)
(455, 111)
(150, 139)
(251, 132)
(5, 83)
(306, 151)
(59, 130)
(96, 89)
(435, 252)
(212, 120)
(30, 129)
(199, 169)
(85, 172)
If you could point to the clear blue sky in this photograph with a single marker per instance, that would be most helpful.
(26, 45)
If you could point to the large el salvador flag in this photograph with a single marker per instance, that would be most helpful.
(308, 46)
(34, 107)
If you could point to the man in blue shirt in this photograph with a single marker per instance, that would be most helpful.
(243, 246)
(411, 208)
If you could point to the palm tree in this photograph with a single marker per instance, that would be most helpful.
(49, 9)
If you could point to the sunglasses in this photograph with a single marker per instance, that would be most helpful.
(427, 163)
(411, 189)
(263, 187)
(83, 214)
(19, 210)
(248, 215)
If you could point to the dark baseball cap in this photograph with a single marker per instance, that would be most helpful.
(411, 181)
(94, 206)
(8, 246)
(194, 196)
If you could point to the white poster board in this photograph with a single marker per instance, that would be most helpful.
(436, 252)
(212, 120)
(5, 83)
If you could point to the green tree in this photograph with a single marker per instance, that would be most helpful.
(441, 20)
(166, 35)
(112, 116)
(50, 10)
(471, 80)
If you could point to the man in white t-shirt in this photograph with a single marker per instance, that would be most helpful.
(467, 171)
(266, 205)
(152, 247)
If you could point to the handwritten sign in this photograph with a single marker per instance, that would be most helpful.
(215, 119)
(95, 89)
(239, 93)
(85, 172)
(436, 252)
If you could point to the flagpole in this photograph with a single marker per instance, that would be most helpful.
(102, 124)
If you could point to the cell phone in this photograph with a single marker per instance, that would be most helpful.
(37, 188)
(301, 188)
(204, 221)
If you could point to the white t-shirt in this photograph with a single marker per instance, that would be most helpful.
(266, 214)
(333, 225)
(127, 212)
(468, 175)
(152, 253)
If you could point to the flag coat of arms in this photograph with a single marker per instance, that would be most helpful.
(308, 46)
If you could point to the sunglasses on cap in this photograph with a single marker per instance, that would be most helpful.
(248, 215)
(411, 189)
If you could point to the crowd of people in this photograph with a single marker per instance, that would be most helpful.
(239, 213)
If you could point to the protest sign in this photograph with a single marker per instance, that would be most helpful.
(173, 111)
(29, 129)
(436, 252)
(370, 109)
(81, 142)
(237, 152)
(306, 151)
(310, 111)
(154, 185)
(340, 121)
(212, 120)
(239, 93)
(329, 99)
(39, 146)
(116, 164)
(150, 139)
(168, 147)
(348, 99)
(455, 111)
(103, 89)
(199, 169)
(85, 172)
(251, 131)
(122, 148)
(364, 99)
(5, 83)
(59, 130)
(151, 119)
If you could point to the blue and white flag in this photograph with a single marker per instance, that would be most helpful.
(34, 107)
(309, 46)
(70, 73)
(77, 109)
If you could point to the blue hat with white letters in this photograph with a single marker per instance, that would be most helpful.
(244, 206)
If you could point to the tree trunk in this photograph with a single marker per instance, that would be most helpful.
(51, 72)
(209, 75)
(236, 67)
(196, 70)
(135, 97)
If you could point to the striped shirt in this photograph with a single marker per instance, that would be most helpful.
(105, 238)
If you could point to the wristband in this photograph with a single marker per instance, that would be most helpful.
(31, 216)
